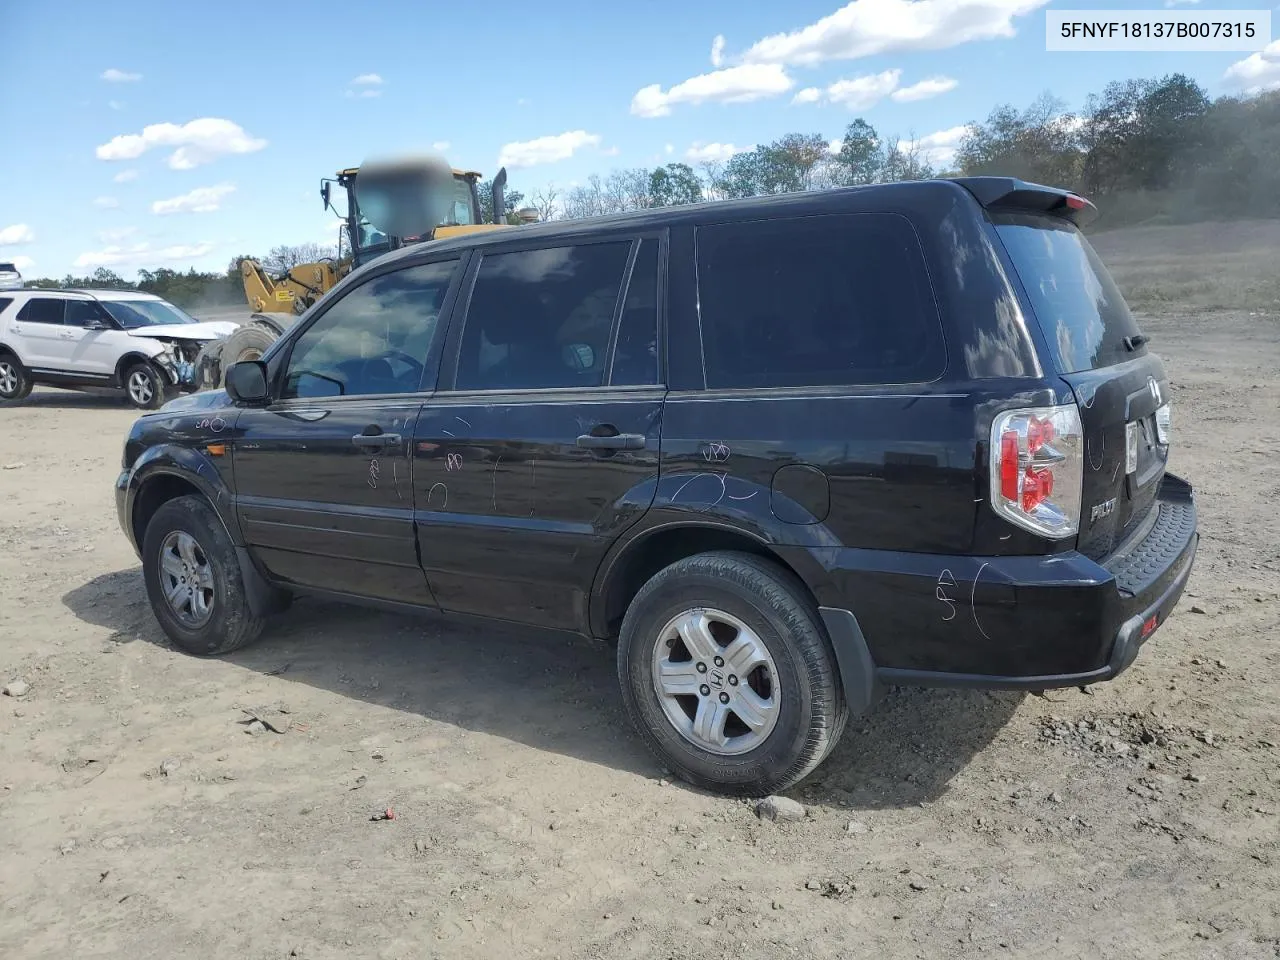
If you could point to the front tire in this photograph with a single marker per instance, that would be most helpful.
(728, 675)
(15, 381)
(144, 386)
(193, 580)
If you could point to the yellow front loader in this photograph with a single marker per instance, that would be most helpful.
(276, 301)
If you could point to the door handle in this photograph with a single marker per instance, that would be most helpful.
(619, 441)
(376, 440)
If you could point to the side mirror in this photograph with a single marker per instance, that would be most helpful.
(96, 325)
(247, 382)
(324, 193)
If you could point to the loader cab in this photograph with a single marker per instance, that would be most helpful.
(367, 242)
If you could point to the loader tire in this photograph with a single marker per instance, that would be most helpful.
(247, 342)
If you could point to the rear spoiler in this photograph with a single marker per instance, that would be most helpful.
(1012, 194)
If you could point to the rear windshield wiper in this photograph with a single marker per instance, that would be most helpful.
(1135, 341)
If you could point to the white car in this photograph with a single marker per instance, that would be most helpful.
(10, 278)
(132, 341)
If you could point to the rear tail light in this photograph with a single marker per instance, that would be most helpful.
(1037, 465)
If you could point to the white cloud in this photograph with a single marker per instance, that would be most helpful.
(833, 146)
(713, 152)
(867, 27)
(717, 51)
(863, 92)
(141, 254)
(199, 200)
(106, 203)
(125, 176)
(113, 75)
(115, 104)
(1259, 71)
(931, 87)
(731, 85)
(198, 142)
(366, 94)
(669, 149)
(367, 80)
(807, 95)
(440, 146)
(939, 149)
(611, 151)
(23, 263)
(18, 233)
(550, 149)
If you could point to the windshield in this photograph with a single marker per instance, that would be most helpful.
(8, 268)
(132, 314)
(1080, 309)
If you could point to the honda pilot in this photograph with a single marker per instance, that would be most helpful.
(782, 451)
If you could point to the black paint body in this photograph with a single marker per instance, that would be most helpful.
(876, 497)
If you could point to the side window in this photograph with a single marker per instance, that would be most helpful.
(635, 358)
(4, 303)
(375, 339)
(542, 318)
(41, 310)
(817, 301)
(81, 313)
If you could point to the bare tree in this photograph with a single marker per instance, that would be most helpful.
(284, 258)
(544, 201)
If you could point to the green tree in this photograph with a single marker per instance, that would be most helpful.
(511, 199)
(674, 184)
(861, 156)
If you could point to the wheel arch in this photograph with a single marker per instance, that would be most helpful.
(130, 359)
(631, 563)
(163, 473)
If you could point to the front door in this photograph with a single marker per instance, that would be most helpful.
(546, 448)
(93, 352)
(323, 475)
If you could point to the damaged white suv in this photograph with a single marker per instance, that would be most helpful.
(125, 339)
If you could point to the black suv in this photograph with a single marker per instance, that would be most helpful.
(785, 451)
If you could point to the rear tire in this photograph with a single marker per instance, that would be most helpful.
(765, 730)
(193, 580)
(15, 381)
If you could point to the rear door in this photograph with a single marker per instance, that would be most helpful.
(1096, 346)
(323, 475)
(545, 447)
(38, 330)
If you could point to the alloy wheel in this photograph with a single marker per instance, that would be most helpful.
(186, 578)
(716, 681)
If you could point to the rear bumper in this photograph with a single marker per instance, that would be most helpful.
(1022, 623)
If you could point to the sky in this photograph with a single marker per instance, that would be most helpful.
(149, 134)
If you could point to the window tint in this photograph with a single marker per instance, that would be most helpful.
(1084, 318)
(542, 318)
(4, 303)
(42, 310)
(81, 312)
(635, 358)
(825, 300)
(375, 339)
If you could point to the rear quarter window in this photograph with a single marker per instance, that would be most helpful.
(817, 301)
(1079, 307)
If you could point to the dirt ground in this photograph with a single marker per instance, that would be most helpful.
(139, 818)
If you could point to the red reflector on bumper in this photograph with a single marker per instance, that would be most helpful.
(1149, 625)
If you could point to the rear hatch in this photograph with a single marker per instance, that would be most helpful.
(1096, 347)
